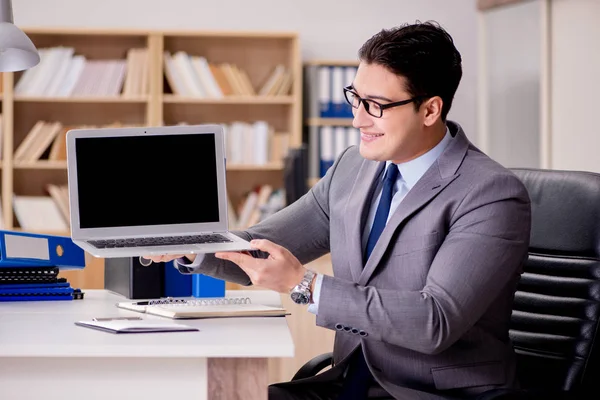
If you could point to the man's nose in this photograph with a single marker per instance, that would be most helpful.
(362, 118)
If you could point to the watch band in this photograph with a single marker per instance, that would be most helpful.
(301, 293)
(307, 279)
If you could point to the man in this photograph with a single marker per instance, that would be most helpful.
(427, 238)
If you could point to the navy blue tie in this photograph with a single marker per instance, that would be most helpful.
(383, 209)
(357, 381)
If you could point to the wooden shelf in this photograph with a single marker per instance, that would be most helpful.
(40, 164)
(334, 63)
(243, 35)
(44, 232)
(241, 100)
(275, 166)
(45, 164)
(257, 53)
(107, 99)
(329, 121)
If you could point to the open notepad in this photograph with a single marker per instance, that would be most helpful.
(136, 326)
(204, 308)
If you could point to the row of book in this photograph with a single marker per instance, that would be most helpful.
(247, 143)
(62, 73)
(254, 143)
(257, 205)
(325, 90)
(46, 141)
(326, 143)
(51, 213)
(27, 277)
(44, 213)
(194, 76)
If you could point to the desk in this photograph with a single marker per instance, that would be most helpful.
(44, 355)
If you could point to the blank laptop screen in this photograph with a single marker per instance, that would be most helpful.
(146, 180)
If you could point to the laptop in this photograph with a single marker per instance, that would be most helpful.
(149, 191)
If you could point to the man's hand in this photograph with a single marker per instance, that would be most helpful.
(170, 257)
(281, 271)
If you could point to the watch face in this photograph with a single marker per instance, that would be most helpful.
(300, 298)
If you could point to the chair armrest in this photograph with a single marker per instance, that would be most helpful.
(529, 394)
(503, 394)
(314, 366)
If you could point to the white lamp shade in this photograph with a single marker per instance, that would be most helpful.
(17, 51)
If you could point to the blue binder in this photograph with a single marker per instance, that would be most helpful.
(207, 286)
(36, 294)
(37, 291)
(34, 285)
(176, 283)
(35, 250)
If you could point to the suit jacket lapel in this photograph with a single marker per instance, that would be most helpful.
(437, 177)
(356, 210)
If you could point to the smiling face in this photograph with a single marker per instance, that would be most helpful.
(402, 133)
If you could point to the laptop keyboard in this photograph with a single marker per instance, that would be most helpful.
(159, 241)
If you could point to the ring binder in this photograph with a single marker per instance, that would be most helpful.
(201, 302)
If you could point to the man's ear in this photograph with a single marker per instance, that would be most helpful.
(433, 110)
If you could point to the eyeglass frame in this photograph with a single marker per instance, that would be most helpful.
(381, 106)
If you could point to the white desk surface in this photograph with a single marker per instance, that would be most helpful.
(47, 329)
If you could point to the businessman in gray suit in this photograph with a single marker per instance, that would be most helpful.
(427, 237)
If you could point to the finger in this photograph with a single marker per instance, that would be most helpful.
(238, 258)
(241, 260)
(268, 247)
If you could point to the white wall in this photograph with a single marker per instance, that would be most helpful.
(575, 85)
(329, 29)
(513, 78)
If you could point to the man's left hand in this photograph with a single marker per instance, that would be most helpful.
(281, 271)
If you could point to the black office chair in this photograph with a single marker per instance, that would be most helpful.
(555, 320)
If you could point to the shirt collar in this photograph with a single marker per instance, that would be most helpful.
(411, 171)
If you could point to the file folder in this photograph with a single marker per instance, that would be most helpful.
(37, 294)
(61, 284)
(32, 249)
(37, 291)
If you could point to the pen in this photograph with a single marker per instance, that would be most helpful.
(140, 303)
(117, 319)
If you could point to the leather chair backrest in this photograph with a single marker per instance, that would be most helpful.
(554, 325)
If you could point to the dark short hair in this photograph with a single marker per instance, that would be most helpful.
(422, 53)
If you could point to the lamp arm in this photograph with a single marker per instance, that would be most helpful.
(6, 12)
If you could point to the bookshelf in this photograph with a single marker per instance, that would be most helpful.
(327, 117)
(155, 101)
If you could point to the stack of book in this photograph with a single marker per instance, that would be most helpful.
(30, 264)
(62, 73)
(194, 76)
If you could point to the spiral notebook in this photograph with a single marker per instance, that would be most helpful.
(204, 308)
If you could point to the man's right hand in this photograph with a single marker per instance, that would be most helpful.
(170, 257)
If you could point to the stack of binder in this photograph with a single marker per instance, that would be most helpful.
(30, 263)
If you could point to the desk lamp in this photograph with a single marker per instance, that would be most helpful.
(17, 51)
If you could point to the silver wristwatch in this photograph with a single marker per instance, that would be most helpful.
(301, 293)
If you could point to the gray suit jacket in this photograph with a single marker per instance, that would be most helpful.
(431, 307)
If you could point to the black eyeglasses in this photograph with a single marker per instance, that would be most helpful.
(372, 107)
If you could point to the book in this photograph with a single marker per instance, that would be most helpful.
(135, 326)
(204, 308)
